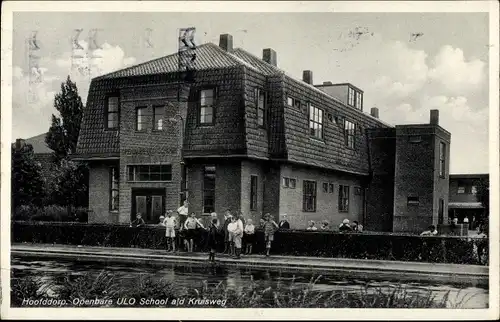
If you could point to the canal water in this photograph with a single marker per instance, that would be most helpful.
(195, 275)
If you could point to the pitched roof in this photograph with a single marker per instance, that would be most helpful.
(208, 56)
(38, 143)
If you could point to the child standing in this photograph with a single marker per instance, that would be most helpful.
(170, 223)
(190, 225)
(231, 228)
(249, 236)
(213, 235)
(270, 226)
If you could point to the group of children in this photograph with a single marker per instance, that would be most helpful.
(234, 232)
(345, 226)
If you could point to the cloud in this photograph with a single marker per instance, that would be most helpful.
(32, 116)
(454, 72)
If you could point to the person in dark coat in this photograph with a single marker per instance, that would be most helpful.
(213, 235)
(137, 224)
(345, 226)
(284, 224)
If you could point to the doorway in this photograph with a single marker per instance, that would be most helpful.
(150, 203)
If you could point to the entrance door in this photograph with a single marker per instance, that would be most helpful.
(150, 203)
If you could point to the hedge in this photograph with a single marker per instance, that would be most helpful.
(439, 249)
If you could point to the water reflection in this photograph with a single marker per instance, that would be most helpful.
(194, 276)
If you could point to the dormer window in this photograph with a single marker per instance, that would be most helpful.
(355, 98)
(359, 101)
(112, 110)
(350, 96)
(206, 112)
(315, 122)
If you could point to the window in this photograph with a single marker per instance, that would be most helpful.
(209, 189)
(315, 122)
(461, 189)
(140, 118)
(286, 182)
(289, 183)
(442, 159)
(112, 110)
(413, 201)
(253, 192)
(330, 188)
(473, 190)
(207, 106)
(359, 101)
(349, 131)
(293, 102)
(261, 107)
(325, 187)
(309, 202)
(159, 172)
(343, 198)
(350, 96)
(114, 177)
(415, 139)
(158, 112)
(293, 183)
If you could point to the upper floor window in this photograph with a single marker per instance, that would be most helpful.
(158, 112)
(442, 159)
(112, 110)
(349, 134)
(315, 122)
(359, 101)
(293, 102)
(140, 118)
(207, 98)
(350, 96)
(148, 172)
(261, 107)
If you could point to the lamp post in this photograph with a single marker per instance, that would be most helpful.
(178, 118)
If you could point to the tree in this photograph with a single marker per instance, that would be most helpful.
(68, 184)
(483, 195)
(26, 181)
(64, 130)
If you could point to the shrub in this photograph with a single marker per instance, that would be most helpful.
(436, 249)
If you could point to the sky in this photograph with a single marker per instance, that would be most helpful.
(406, 63)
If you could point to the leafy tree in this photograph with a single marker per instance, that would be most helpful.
(68, 184)
(483, 196)
(64, 130)
(26, 181)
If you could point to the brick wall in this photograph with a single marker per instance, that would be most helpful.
(249, 168)
(99, 180)
(227, 186)
(415, 177)
(441, 184)
(380, 192)
(291, 200)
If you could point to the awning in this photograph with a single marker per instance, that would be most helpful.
(465, 205)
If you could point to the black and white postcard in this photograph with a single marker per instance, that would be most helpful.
(250, 160)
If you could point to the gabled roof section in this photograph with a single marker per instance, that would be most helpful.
(38, 143)
(208, 56)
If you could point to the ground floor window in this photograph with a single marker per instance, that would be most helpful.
(343, 198)
(114, 176)
(309, 201)
(253, 192)
(209, 189)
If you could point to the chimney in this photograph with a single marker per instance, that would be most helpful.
(226, 42)
(374, 112)
(269, 56)
(307, 76)
(327, 83)
(435, 117)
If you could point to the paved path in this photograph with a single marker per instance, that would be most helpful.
(358, 268)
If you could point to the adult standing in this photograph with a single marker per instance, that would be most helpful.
(284, 224)
(238, 236)
(137, 224)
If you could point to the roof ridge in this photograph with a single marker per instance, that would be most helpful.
(146, 62)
